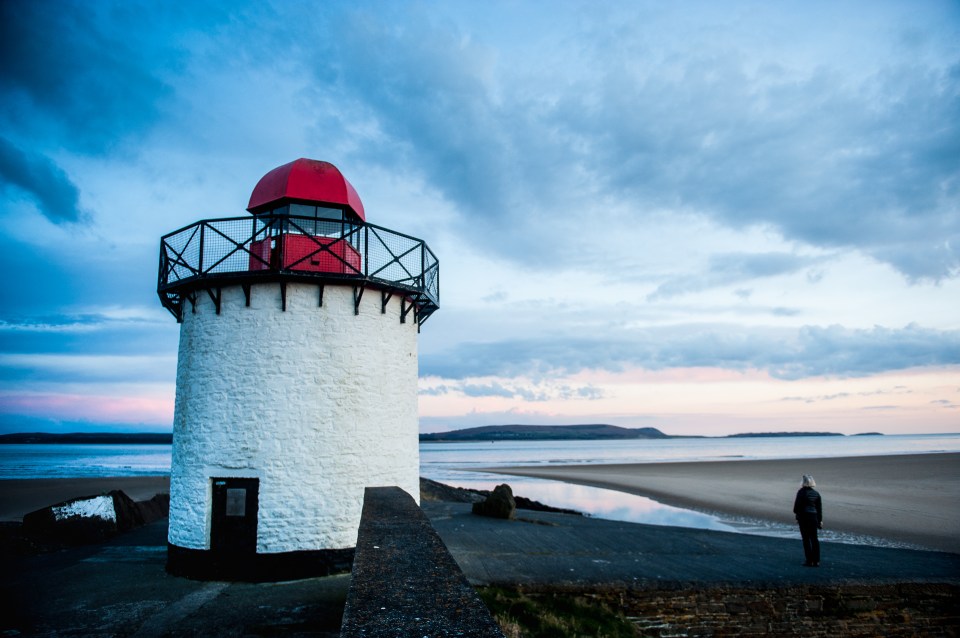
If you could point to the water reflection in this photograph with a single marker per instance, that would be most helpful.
(620, 506)
(593, 501)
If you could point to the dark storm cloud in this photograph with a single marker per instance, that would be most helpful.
(85, 74)
(808, 352)
(43, 182)
(83, 78)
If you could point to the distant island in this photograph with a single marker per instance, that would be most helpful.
(589, 432)
(545, 433)
(749, 435)
(105, 438)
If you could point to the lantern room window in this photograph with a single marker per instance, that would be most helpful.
(307, 237)
(318, 214)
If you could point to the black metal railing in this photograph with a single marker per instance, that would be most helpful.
(242, 250)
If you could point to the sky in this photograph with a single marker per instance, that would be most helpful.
(704, 217)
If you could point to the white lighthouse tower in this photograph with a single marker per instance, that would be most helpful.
(296, 377)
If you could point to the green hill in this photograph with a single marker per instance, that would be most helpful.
(545, 433)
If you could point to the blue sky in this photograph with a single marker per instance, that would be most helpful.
(703, 217)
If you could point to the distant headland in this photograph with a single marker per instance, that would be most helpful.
(545, 433)
(595, 431)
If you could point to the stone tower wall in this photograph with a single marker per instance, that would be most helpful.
(316, 402)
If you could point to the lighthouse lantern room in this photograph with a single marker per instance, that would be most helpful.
(296, 375)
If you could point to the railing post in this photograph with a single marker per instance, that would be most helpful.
(200, 260)
(281, 232)
(162, 277)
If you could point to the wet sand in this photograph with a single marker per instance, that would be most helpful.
(21, 496)
(909, 498)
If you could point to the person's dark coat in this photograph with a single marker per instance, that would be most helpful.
(807, 506)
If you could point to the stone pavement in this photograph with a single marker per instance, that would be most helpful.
(556, 549)
(120, 588)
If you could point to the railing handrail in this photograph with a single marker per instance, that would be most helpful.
(197, 255)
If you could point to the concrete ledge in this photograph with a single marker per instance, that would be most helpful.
(405, 582)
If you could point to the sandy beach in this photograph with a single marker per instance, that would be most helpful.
(908, 498)
(19, 497)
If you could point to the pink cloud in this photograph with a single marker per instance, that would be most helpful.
(104, 409)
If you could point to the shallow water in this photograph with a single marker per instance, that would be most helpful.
(82, 461)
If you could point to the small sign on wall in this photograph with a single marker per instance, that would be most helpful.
(236, 502)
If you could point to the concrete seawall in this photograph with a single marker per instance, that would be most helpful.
(404, 581)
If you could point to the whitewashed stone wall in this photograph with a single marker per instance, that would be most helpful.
(316, 402)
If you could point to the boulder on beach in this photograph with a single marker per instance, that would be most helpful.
(500, 503)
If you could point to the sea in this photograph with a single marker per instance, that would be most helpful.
(453, 464)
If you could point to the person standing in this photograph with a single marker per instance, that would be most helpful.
(808, 508)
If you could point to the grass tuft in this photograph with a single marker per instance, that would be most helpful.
(554, 614)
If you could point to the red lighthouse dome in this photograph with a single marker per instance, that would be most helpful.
(305, 181)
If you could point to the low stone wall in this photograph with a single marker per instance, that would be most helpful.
(92, 519)
(404, 581)
(914, 609)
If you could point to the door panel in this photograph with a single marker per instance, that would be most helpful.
(233, 527)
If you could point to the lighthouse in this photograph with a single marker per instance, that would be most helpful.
(296, 375)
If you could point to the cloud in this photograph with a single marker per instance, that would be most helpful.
(786, 354)
(898, 390)
(820, 156)
(532, 392)
(84, 76)
(90, 368)
(99, 409)
(55, 195)
(428, 91)
(546, 135)
(863, 156)
(824, 397)
(732, 269)
(99, 319)
(487, 390)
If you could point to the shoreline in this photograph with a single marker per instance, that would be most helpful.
(903, 498)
